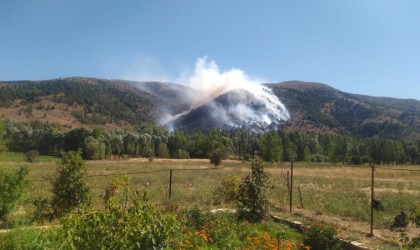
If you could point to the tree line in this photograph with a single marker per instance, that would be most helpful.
(153, 141)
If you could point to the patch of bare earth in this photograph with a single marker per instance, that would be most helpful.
(48, 110)
(351, 229)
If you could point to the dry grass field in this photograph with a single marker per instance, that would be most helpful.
(334, 194)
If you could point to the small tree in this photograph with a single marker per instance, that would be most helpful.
(253, 203)
(12, 184)
(217, 156)
(69, 185)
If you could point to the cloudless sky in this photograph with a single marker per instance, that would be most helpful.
(367, 47)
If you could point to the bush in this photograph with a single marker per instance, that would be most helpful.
(111, 192)
(140, 226)
(253, 203)
(413, 243)
(228, 190)
(43, 210)
(12, 184)
(217, 156)
(69, 185)
(322, 237)
(31, 156)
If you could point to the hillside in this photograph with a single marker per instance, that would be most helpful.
(75, 102)
(320, 108)
(314, 107)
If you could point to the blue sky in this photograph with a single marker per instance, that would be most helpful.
(367, 47)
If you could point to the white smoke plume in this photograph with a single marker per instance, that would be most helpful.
(247, 102)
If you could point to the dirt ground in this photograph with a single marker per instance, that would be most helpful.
(350, 229)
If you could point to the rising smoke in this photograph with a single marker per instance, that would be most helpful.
(234, 99)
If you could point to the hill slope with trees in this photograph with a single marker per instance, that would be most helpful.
(314, 107)
(76, 102)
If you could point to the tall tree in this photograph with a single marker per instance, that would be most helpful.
(270, 146)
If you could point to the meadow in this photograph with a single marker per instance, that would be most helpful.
(335, 194)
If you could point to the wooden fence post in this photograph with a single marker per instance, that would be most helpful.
(372, 197)
(170, 184)
(291, 186)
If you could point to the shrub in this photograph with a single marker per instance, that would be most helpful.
(69, 185)
(140, 226)
(12, 184)
(228, 190)
(217, 156)
(31, 156)
(253, 203)
(322, 237)
(196, 218)
(43, 210)
(111, 192)
(413, 243)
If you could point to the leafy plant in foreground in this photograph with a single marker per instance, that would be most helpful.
(69, 185)
(253, 203)
(139, 226)
(322, 237)
(12, 184)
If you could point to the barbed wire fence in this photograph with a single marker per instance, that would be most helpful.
(169, 185)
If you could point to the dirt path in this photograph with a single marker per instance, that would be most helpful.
(349, 229)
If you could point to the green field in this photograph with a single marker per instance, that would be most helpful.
(20, 157)
(342, 191)
(335, 191)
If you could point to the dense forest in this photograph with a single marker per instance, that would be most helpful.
(152, 141)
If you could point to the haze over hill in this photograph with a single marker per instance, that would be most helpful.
(313, 107)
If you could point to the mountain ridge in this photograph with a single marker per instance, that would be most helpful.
(314, 107)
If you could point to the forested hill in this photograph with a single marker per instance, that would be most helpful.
(75, 102)
(314, 107)
(318, 107)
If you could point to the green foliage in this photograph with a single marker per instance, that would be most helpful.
(43, 210)
(163, 151)
(253, 203)
(94, 148)
(26, 239)
(216, 156)
(32, 156)
(69, 185)
(115, 187)
(322, 237)
(103, 101)
(270, 146)
(205, 230)
(140, 226)
(413, 243)
(2, 142)
(12, 184)
(228, 190)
